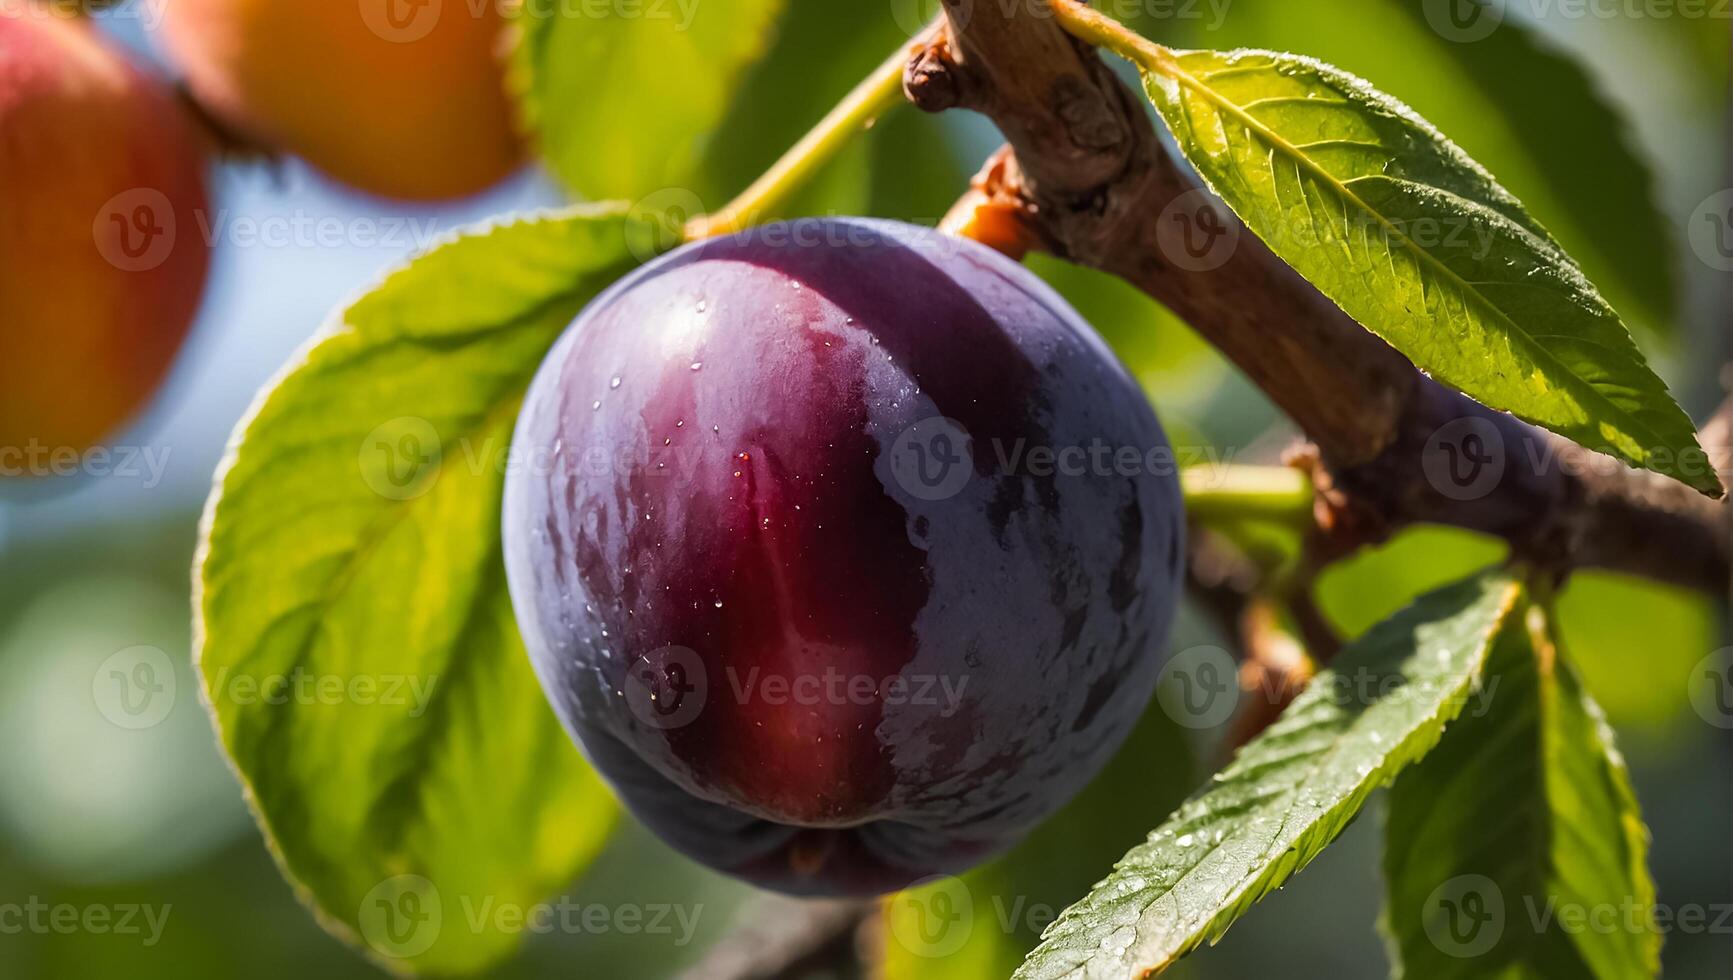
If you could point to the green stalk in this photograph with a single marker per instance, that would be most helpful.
(876, 95)
(1271, 493)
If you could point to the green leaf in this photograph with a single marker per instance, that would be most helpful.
(1370, 585)
(1415, 240)
(1603, 617)
(1516, 848)
(1524, 107)
(1289, 792)
(355, 637)
(623, 103)
(820, 53)
(980, 926)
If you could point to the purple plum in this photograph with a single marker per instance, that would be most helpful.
(845, 550)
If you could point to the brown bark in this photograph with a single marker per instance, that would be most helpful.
(1089, 178)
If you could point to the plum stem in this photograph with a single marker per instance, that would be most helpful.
(1278, 493)
(876, 95)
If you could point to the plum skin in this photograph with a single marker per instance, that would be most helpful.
(717, 517)
(413, 112)
(103, 262)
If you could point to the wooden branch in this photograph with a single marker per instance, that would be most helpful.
(1089, 179)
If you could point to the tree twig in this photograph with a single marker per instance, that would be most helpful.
(1090, 181)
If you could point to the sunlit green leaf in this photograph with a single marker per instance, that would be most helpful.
(1370, 585)
(1618, 627)
(1413, 239)
(818, 54)
(623, 101)
(1382, 704)
(1613, 624)
(356, 641)
(1516, 848)
(1524, 107)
